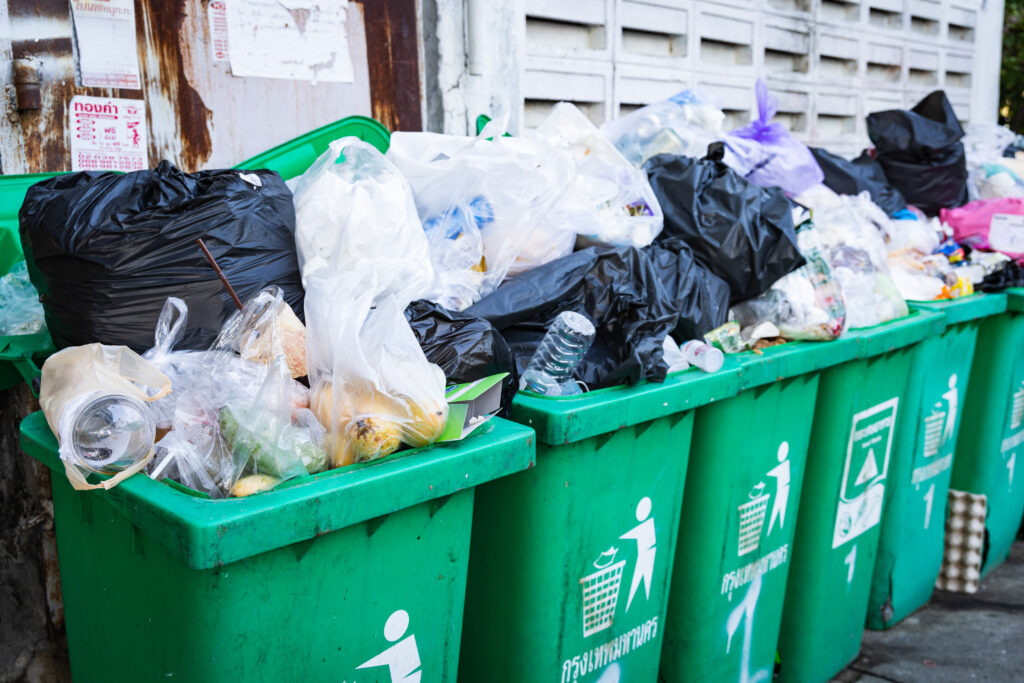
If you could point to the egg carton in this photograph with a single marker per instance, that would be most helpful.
(965, 541)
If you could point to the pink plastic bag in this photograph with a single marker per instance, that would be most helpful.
(991, 224)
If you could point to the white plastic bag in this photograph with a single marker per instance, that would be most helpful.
(354, 210)
(480, 200)
(685, 124)
(609, 201)
(373, 388)
(988, 175)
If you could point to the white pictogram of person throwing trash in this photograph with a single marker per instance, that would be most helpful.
(643, 534)
(782, 477)
(952, 400)
(402, 658)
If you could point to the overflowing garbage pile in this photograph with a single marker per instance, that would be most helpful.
(229, 332)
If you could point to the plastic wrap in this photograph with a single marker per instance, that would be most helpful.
(372, 387)
(354, 210)
(619, 290)
(480, 200)
(20, 310)
(684, 124)
(609, 201)
(740, 232)
(265, 329)
(767, 154)
(109, 248)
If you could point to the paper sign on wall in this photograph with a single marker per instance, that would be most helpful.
(294, 39)
(217, 15)
(108, 134)
(105, 37)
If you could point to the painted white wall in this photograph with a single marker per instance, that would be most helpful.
(831, 62)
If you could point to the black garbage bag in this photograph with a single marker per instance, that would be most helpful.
(105, 250)
(619, 290)
(700, 296)
(742, 233)
(466, 347)
(1011, 274)
(921, 153)
(853, 177)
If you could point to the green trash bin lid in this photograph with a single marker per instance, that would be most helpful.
(965, 309)
(292, 158)
(12, 194)
(562, 420)
(206, 533)
(17, 351)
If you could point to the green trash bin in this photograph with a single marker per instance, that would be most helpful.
(856, 423)
(356, 574)
(990, 448)
(294, 157)
(18, 353)
(569, 574)
(911, 545)
(735, 545)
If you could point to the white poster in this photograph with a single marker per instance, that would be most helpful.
(108, 134)
(105, 37)
(867, 465)
(302, 40)
(217, 15)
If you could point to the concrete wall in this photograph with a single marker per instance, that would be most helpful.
(830, 62)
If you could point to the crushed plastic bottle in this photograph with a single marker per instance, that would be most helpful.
(704, 356)
(564, 345)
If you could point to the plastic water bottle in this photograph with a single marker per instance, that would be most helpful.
(704, 356)
(111, 432)
(560, 352)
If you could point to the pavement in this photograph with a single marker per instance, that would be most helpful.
(954, 638)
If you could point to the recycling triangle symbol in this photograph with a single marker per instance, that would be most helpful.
(869, 471)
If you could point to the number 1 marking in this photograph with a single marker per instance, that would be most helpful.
(928, 499)
(851, 560)
(1009, 465)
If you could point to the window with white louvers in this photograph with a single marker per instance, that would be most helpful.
(830, 62)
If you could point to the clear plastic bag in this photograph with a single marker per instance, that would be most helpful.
(852, 240)
(805, 304)
(354, 210)
(20, 310)
(373, 388)
(609, 202)
(480, 200)
(237, 425)
(684, 124)
(264, 329)
(768, 155)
